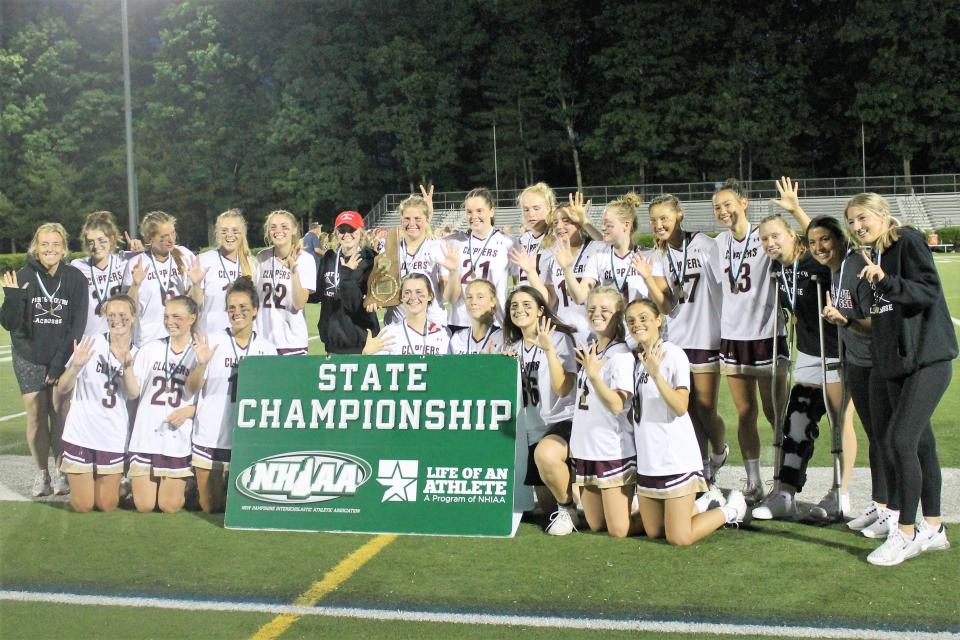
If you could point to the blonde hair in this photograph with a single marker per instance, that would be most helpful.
(417, 202)
(573, 214)
(103, 222)
(621, 306)
(295, 240)
(669, 200)
(878, 206)
(243, 251)
(541, 189)
(625, 208)
(799, 245)
(148, 229)
(48, 227)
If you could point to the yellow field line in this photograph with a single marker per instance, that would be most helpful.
(333, 579)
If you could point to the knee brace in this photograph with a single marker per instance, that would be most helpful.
(801, 428)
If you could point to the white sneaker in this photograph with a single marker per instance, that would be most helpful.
(881, 528)
(827, 507)
(930, 538)
(777, 505)
(61, 486)
(753, 493)
(714, 467)
(866, 519)
(735, 508)
(561, 522)
(41, 484)
(894, 550)
(711, 499)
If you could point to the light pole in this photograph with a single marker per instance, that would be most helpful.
(133, 214)
(863, 155)
(496, 171)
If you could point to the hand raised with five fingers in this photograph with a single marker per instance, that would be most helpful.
(450, 258)
(587, 358)
(642, 265)
(788, 190)
(524, 260)
(10, 281)
(82, 352)
(872, 273)
(544, 337)
(196, 274)
(562, 253)
(201, 347)
(576, 202)
(376, 344)
(353, 261)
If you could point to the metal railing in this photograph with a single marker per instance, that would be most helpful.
(809, 188)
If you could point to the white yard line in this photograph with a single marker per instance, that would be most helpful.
(13, 416)
(554, 622)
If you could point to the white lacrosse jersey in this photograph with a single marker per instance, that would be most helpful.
(408, 341)
(428, 260)
(164, 280)
(102, 284)
(744, 276)
(98, 417)
(485, 259)
(213, 426)
(162, 374)
(530, 244)
(221, 273)
(541, 406)
(597, 433)
(607, 268)
(568, 310)
(463, 343)
(278, 322)
(666, 442)
(691, 274)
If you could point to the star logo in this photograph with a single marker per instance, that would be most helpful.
(400, 478)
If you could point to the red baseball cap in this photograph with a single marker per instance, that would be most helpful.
(349, 218)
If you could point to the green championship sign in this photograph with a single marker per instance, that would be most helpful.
(385, 444)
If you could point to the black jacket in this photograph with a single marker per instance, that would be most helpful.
(343, 320)
(911, 323)
(43, 331)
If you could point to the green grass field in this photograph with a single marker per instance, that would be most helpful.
(779, 573)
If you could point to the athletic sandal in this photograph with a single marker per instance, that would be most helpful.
(41, 485)
(881, 528)
(932, 538)
(867, 518)
(894, 550)
(735, 509)
(561, 522)
(714, 467)
(777, 505)
(827, 507)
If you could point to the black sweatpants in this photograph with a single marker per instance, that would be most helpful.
(858, 385)
(910, 438)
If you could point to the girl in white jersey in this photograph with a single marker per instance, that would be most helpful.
(669, 469)
(748, 318)
(286, 277)
(212, 273)
(483, 335)
(602, 448)
(417, 334)
(536, 203)
(419, 252)
(100, 376)
(686, 288)
(614, 265)
(215, 380)
(159, 451)
(544, 346)
(483, 252)
(104, 266)
(156, 274)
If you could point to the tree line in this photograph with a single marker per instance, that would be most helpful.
(318, 106)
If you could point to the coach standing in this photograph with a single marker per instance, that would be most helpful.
(45, 310)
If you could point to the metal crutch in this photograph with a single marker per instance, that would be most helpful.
(836, 422)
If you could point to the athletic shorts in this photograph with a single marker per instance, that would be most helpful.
(158, 465)
(605, 474)
(703, 360)
(561, 429)
(751, 357)
(807, 370)
(294, 351)
(673, 486)
(31, 377)
(77, 459)
(206, 457)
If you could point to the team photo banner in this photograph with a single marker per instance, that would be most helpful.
(384, 444)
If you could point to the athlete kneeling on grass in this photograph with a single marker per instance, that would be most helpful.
(416, 334)
(669, 468)
(100, 375)
(602, 447)
(544, 347)
(159, 451)
(215, 380)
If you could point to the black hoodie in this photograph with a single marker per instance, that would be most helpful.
(911, 323)
(343, 320)
(43, 330)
